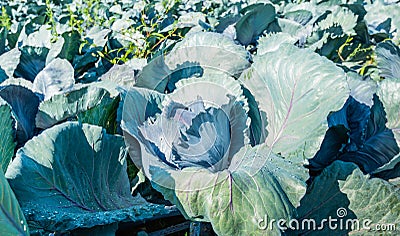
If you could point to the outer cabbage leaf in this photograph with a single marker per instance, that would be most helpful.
(95, 222)
(272, 42)
(8, 63)
(254, 22)
(51, 168)
(40, 38)
(98, 36)
(125, 75)
(54, 50)
(85, 65)
(18, 81)
(343, 193)
(390, 97)
(383, 18)
(257, 184)
(3, 37)
(154, 75)
(388, 57)
(362, 90)
(56, 78)
(12, 220)
(211, 51)
(319, 25)
(357, 132)
(7, 132)
(378, 144)
(190, 19)
(224, 86)
(288, 26)
(71, 46)
(360, 136)
(341, 17)
(144, 103)
(198, 54)
(54, 177)
(258, 124)
(297, 89)
(367, 196)
(24, 104)
(104, 114)
(387, 92)
(389, 171)
(322, 200)
(347, 132)
(63, 106)
(354, 117)
(32, 61)
(330, 149)
(66, 47)
(300, 16)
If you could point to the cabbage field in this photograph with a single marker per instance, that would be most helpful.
(199, 117)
